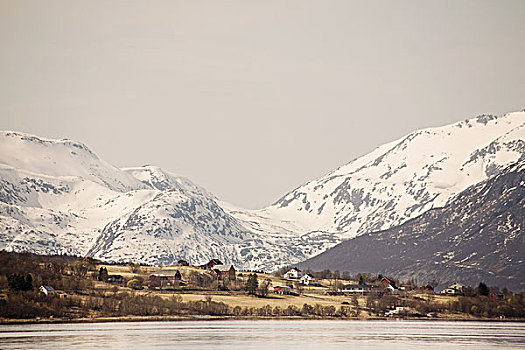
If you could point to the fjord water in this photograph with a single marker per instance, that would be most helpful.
(266, 334)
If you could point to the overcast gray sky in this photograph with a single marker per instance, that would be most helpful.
(253, 98)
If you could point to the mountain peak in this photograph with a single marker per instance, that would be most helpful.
(406, 177)
(60, 158)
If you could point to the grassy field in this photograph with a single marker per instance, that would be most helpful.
(311, 295)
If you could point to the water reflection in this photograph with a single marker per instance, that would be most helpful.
(266, 335)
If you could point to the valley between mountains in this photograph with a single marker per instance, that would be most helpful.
(58, 196)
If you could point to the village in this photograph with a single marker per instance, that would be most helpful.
(289, 287)
(79, 288)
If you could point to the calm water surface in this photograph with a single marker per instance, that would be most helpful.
(266, 334)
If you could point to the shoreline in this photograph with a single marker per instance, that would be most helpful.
(119, 319)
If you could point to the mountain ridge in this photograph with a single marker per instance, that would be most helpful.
(358, 186)
(59, 196)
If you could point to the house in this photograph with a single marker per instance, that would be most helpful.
(47, 290)
(388, 285)
(496, 295)
(282, 290)
(357, 288)
(115, 279)
(391, 289)
(165, 278)
(308, 280)
(454, 289)
(183, 262)
(222, 271)
(386, 282)
(293, 273)
(211, 264)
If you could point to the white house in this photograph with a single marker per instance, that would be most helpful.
(293, 273)
(308, 280)
(453, 289)
(47, 290)
(398, 310)
(391, 289)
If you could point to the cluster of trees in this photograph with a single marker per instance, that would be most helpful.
(32, 304)
(18, 282)
(253, 287)
(26, 272)
(511, 305)
(243, 282)
(103, 274)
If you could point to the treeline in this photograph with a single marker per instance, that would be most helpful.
(32, 304)
(28, 305)
(510, 305)
(123, 304)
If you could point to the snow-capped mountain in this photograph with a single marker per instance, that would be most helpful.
(57, 196)
(405, 178)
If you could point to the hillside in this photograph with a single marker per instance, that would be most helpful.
(477, 236)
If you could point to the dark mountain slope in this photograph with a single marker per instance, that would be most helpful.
(477, 236)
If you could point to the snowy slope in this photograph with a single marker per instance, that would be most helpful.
(404, 178)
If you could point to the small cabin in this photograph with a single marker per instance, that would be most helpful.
(282, 290)
(47, 290)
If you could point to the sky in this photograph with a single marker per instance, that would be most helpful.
(251, 99)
